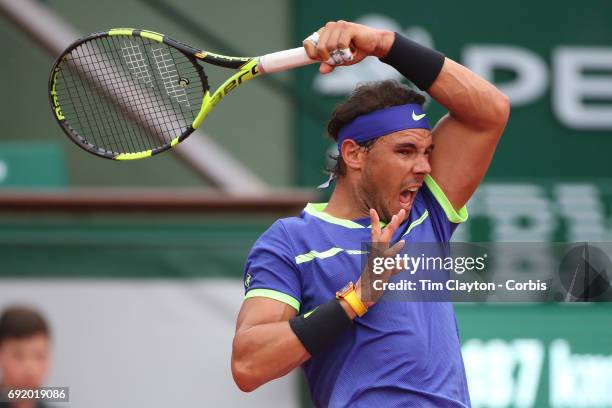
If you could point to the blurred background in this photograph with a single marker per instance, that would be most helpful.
(137, 265)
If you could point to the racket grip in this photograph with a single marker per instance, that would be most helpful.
(284, 60)
(297, 57)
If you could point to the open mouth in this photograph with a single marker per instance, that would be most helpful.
(407, 196)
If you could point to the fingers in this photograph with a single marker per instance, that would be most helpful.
(328, 44)
(324, 34)
(326, 68)
(403, 214)
(339, 37)
(325, 43)
(385, 235)
(344, 40)
(375, 221)
(310, 48)
(395, 222)
(310, 44)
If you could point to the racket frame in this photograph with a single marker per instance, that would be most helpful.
(247, 69)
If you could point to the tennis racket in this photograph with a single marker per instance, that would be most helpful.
(126, 94)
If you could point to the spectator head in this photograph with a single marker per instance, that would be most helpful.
(25, 348)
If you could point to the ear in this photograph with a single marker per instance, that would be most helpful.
(352, 154)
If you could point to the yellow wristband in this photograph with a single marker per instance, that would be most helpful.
(355, 303)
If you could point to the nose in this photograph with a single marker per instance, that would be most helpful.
(422, 165)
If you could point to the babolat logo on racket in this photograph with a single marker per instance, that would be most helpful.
(244, 76)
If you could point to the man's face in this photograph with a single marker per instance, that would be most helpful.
(24, 362)
(394, 169)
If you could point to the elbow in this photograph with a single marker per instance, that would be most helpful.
(502, 107)
(243, 377)
(499, 111)
(242, 370)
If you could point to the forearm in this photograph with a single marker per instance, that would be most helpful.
(265, 352)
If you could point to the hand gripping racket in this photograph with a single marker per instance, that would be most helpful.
(126, 94)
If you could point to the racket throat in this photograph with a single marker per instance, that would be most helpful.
(248, 71)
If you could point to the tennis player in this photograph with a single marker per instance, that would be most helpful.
(303, 277)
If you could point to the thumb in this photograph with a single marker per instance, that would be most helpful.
(326, 68)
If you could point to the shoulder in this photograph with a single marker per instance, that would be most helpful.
(291, 228)
(282, 228)
(280, 236)
(432, 198)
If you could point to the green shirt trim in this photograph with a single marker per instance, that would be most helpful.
(452, 214)
(276, 295)
(317, 210)
(333, 251)
(416, 222)
(315, 254)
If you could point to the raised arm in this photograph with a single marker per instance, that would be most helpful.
(466, 137)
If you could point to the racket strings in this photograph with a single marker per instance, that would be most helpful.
(102, 125)
(115, 125)
(128, 94)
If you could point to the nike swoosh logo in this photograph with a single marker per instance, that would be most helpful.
(417, 117)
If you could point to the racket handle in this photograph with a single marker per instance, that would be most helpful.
(296, 57)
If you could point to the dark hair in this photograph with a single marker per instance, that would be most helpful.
(20, 322)
(365, 98)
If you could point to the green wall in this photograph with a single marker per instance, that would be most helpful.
(536, 143)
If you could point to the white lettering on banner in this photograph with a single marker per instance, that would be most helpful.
(573, 86)
(531, 71)
(573, 90)
(505, 373)
(583, 208)
(520, 212)
(502, 373)
(579, 380)
(529, 212)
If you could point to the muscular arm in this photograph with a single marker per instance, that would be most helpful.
(465, 138)
(264, 346)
